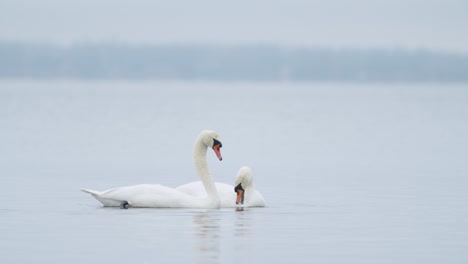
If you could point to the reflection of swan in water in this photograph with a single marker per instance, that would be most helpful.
(155, 195)
(242, 194)
(242, 223)
(207, 237)
(217, 227)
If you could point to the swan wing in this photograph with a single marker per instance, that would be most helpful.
(195, 188)
(254, 199)
(148, 195)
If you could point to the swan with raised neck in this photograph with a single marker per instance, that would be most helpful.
(155, 195)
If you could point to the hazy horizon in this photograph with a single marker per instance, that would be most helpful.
(228, 63)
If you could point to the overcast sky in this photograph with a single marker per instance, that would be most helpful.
(428, 24)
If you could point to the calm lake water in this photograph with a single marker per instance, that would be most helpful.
(351, 173)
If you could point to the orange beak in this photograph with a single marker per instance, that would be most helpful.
(240, 196)
(217, 150)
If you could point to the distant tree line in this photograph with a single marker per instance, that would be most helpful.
(228, 63)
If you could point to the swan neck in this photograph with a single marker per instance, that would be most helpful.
(201, 165)
(250, 188)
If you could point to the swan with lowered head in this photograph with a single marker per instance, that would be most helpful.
(242, 194)
(155, 195)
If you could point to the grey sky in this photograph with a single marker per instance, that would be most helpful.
(429, 24)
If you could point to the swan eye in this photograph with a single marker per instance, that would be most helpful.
(217, 142)
(238, 187)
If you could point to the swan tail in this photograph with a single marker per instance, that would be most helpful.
(104, 201)
(92, 192)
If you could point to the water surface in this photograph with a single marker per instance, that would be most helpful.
(352, 173)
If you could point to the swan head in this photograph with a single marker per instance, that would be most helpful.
(211, 140)
(243, 180)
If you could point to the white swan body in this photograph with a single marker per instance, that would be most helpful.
(227, 193)
(155, 195)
